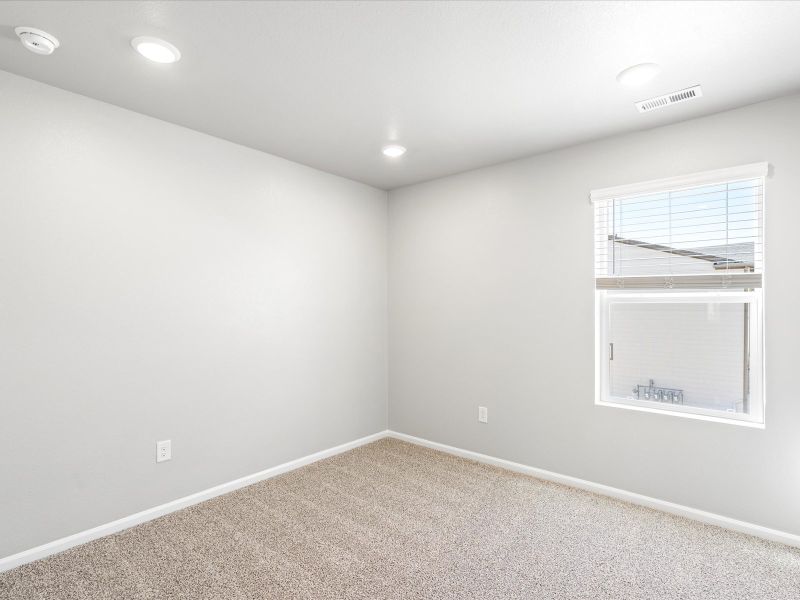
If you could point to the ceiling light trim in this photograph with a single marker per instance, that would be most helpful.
(155, 49)
(637, 75)
(394, 150)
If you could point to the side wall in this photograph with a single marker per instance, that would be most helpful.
(491, 303)
(158, 283)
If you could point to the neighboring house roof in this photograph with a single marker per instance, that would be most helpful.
(739, 255)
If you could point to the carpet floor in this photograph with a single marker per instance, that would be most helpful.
(392, 520)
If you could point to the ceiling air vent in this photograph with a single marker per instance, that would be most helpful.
(672, 98)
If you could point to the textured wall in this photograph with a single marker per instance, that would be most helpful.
(491, 303)
(157, 283)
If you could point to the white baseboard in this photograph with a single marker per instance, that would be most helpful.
(669, 507)
(26, 556)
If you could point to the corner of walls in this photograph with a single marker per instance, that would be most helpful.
(491, 304)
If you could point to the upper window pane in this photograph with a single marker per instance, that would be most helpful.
(701, 230)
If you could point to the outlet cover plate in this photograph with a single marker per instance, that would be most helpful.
(163, 451)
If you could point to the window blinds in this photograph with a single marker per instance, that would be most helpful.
(704, 234)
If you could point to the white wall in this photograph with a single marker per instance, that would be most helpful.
(157, 283)
(491, 303)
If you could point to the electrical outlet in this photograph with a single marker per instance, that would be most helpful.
(163, 451)
(483, 414)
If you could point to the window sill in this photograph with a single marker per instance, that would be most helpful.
(685, 415)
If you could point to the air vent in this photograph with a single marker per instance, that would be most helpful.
(673, 98)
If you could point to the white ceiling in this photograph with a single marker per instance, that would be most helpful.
(462, 85)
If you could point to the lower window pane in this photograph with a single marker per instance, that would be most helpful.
(690, 354)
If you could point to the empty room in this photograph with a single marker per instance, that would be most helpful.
(480, 300)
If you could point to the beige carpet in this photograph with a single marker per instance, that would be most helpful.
(394, 520)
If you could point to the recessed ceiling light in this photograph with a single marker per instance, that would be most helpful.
(36, 40)
(393, 150)
(156, 50)
(638, 74)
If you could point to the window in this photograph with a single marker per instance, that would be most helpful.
(679, 295)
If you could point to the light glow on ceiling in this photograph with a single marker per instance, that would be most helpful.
(393, 150)
(156, 49)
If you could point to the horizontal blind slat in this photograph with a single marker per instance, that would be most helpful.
(754, 210)
(654, 197)
(631, 233)
(636, 207)
(730, 281)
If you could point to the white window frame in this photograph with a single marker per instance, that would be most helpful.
(604, 298)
